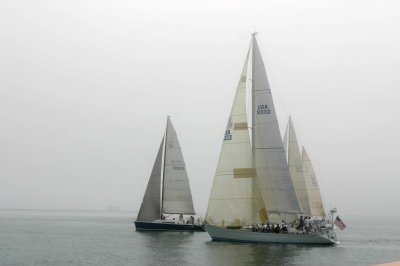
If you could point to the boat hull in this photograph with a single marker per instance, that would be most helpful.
(156, 226)
(241, 235)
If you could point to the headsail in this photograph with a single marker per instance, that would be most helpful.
(234, 198)
(314, 195)
(150, 208)
(296, 168)
(272, 170)
(177, 197)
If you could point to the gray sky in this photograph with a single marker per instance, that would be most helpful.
(85, 88)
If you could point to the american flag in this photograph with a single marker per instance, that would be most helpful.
(339, 223)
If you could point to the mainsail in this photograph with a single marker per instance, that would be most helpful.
(296, 168)
(234, 199)
(314, 195)
(150, 207)
(272, 170)
(177, 197)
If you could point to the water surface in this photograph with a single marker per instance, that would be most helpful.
(101, 238)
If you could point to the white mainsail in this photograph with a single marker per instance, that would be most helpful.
(272, 170)
(176, 194)
(296, 168)
(150, 207)
(314, 195)
(234, 199)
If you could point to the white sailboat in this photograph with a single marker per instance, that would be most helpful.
(168, 190)
(253, 182)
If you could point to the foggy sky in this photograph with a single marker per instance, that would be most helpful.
(86, 86)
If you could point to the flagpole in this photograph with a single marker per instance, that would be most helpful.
(332, 212)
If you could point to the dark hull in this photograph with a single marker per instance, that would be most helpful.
(150, 226)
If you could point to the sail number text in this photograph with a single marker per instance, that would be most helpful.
(178, 165)
(228, 135)
(263, 109)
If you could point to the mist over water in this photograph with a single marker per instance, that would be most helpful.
(86, 86)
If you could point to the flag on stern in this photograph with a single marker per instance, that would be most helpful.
(339, 223)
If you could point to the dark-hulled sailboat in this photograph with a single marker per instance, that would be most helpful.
(168, 191)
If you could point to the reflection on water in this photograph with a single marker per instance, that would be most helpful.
(249, 254)
(188, 247)
(167, 246)
(224, 253)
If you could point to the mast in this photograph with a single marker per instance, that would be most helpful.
(163, 173)
(255, 189)
(253, 97)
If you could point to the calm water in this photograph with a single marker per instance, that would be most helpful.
(97, 238)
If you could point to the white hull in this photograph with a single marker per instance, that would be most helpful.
(244, 235)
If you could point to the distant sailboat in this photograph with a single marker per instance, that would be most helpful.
(253, 182)
(168, 190)
(296, 168)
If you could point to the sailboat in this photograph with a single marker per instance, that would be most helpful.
(303, 175)
(168, 191)
(253, 184)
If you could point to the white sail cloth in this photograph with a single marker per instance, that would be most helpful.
(177, 197)
(296, 168)
(272, 170)
(314, 194)
(234, 198)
